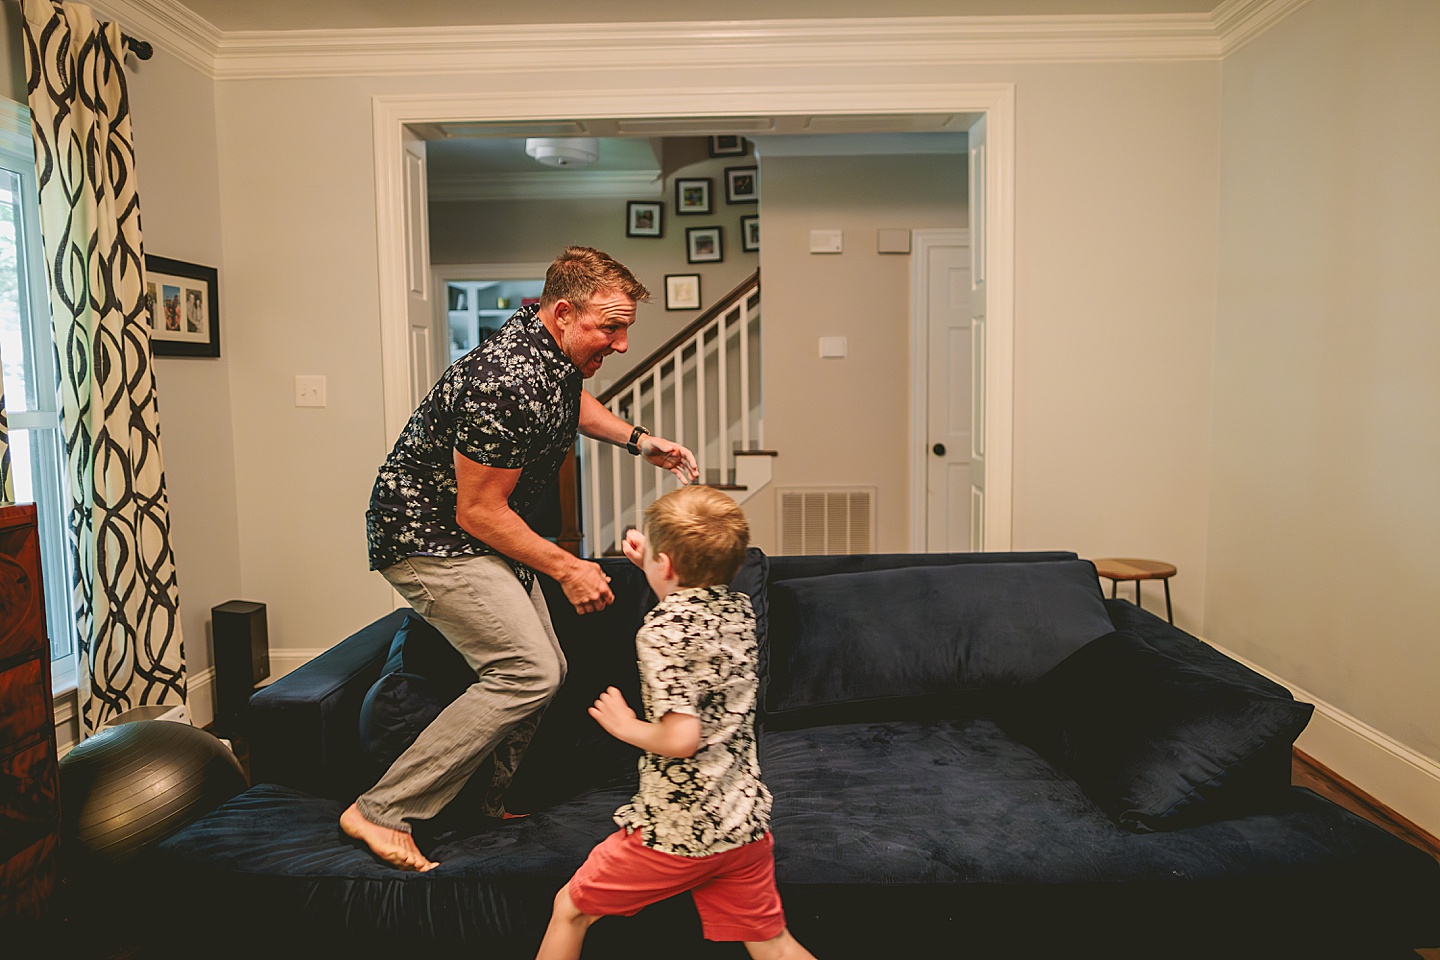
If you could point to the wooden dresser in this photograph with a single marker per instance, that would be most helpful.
(29, 775)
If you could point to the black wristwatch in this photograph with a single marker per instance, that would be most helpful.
(633, 444)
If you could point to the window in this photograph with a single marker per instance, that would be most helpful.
(27, 346)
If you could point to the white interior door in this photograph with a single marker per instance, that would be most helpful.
(950, 406)
(979, 330)
(419, 289)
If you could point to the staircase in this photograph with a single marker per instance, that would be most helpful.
(700, 389)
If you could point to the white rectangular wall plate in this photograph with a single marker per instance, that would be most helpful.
(892, 240)
(827, 241)
(309, 390)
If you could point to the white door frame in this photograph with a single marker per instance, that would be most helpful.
(919, 376)
(639, 99)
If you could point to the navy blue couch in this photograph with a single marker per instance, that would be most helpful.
(971, 755)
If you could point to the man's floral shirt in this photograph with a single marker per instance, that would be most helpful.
(512, 402)
(697, 655)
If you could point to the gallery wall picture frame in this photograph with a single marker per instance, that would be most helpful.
(682, 291)
(644, 218)
(704, 245)
(182, 302)
(692, 195)
(750, 234)
(728, 145)
(742, 184)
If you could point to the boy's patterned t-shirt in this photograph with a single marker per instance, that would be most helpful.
(697, 653)
(512, 402)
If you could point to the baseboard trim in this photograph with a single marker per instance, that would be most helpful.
(1379, 766)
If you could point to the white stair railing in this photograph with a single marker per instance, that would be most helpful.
(701, 389)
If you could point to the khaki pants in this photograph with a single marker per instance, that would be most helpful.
(507, 638)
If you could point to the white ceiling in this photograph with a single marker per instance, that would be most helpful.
(267, 15)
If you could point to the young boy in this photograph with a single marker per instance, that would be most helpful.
(700, 820)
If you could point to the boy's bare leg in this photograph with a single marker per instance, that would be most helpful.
(395, 847)
(566, 933)
(783, 947)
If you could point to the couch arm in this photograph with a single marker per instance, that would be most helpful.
(304, 727)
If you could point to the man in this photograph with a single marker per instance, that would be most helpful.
(446, 530)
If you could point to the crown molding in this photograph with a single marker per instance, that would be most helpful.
(1237, 22)
(168, 25)
(569, 185)
(876, 42)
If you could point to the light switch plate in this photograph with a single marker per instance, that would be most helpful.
(309, 390)
(892, 240)
(827, 241)
(833, 347)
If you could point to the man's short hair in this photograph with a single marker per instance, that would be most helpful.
(581, 272)
(704, 533)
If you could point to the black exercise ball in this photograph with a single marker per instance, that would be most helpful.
(133, 784)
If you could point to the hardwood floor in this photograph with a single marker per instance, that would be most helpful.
(1306, 772)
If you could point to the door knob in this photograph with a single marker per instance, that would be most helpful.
(939, 449)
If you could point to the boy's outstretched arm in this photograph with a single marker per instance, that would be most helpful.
(675, 735)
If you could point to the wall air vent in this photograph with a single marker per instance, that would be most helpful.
(827, 520)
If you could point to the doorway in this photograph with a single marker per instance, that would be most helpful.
(396, 116)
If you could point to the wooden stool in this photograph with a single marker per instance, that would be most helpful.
(1116, 569)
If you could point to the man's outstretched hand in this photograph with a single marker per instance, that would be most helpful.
(669, 455)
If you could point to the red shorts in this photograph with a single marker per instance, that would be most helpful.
(734, 890)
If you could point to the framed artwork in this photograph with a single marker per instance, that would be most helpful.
(750, 234)
(682, 291)
(182, 308)
(742, 185)
(730, 145)
(692, 195)
(702, 245)
(644, 219)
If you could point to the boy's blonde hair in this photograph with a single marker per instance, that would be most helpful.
(704, 533)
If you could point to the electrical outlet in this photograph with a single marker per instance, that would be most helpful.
(309, 390)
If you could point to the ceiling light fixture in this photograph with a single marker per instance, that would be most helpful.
(564, 152)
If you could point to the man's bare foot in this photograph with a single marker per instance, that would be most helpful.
(395, 847)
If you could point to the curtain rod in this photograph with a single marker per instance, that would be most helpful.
(141, 48)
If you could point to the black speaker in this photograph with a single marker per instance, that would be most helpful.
(242, 659)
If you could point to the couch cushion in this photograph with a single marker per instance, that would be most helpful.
(925, 631)
(397, 708)
(1156, 742)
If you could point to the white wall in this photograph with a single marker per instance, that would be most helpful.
(12, 53)
(1324, 507)
(843, 422)
(1116, 193)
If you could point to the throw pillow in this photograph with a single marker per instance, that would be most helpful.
(1155, 742)
(396, 708)
(421, 650)
(925, 631)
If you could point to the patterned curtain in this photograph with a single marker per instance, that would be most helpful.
(126, 599)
